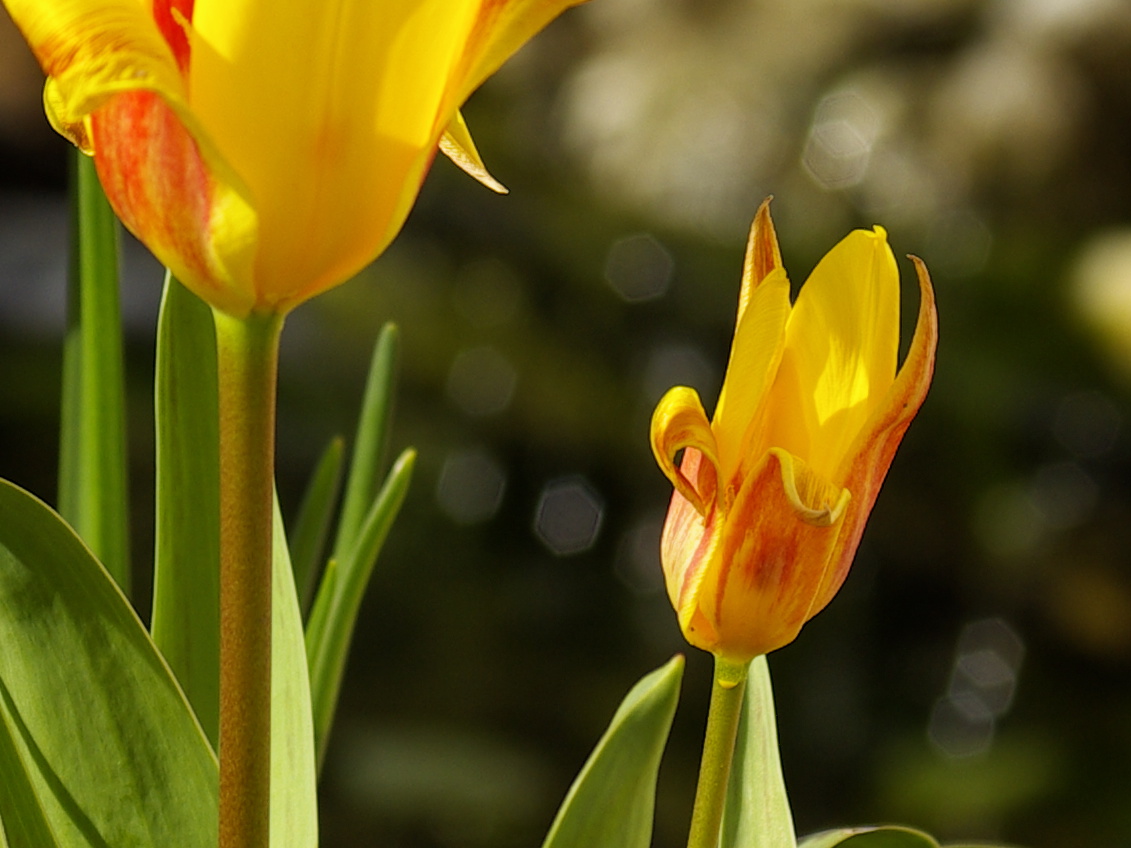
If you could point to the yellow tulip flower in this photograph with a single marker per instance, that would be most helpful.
(772, 495)
(267, 151)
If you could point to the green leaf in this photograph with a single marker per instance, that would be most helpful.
(339, 597)
(757, 808)
(611, 803)
(372, 432)
(186, 578)
(313, 522)
(112, 750)
(20, 810)
(294, 776)
(92, 442)
(887, 836)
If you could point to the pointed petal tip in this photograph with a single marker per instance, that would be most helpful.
(456, 143)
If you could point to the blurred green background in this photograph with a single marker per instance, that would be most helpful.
(974, 676)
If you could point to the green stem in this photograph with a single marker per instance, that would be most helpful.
(727, 691)
(247, 359)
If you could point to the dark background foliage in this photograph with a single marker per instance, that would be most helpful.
(972, 678)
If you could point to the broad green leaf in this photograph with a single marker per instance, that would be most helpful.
(186, 579)
(611, 803)
(20, 811)
(114, 753)
(887, 836)
(294, 777)
(339, 598)
(313, 521)
(757, 808)
(92, 442)
(372, 431)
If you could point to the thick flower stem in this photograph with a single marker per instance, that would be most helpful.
(727, 691)
(247, 351)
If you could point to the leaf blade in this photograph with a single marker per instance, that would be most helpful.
(294, 775)
(330, 629)
(612, 800)
(372, 432)
(93, 487)
(312, 524)
(147, 776)
(186, 578)
(757, 813)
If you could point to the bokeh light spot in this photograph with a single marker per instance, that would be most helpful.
(471, 486)
(569, 515)
(639, 268)
(481, 381)
(983, 681)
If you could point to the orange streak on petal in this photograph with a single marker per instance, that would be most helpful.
(170, 16)
(160, 186)
(772, 557)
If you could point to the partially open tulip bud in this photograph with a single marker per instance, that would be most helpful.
(268, 151)
(772, 495)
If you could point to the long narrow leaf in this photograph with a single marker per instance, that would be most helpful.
(612, 801)
(92, 461)
(339, 598)
(186, 581)
(757, 808)
(294, 808)
(113, 751)
(312, 524)
(372, 431)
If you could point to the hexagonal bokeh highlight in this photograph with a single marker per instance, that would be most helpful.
(471, 486)
(569, 516)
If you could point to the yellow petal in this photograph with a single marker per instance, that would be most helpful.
(841, 346)
(755, 354)
(501, 28)
(456, 143)
(867, 463)
(330, 113)
(679, 423)
(91, 50)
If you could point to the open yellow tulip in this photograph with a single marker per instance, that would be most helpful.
(268, 151)
(772, 495)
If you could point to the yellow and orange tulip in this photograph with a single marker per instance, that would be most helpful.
(772, 495)
(267, 151)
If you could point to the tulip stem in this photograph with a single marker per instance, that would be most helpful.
(727, 690)
(247, 358)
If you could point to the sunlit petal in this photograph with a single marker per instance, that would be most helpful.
(866, 464)
(841, 346)
(680, 423)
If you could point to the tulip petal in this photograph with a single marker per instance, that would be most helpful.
(841, 347)
(759, 340)
(169, 195)
(456, 143)
(867, 463)
(92, 50)
(763, 255)
(687, 546)
(770, 559)
(679, 423)
(501, 28)
(333, 150)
